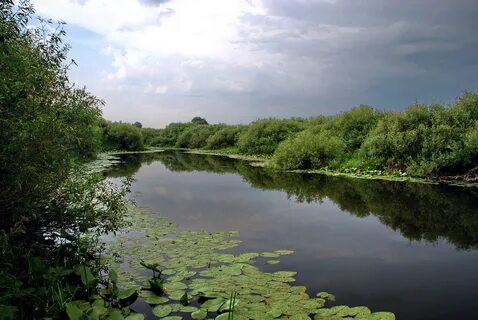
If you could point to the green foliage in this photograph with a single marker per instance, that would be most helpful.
(327, 141)
(427, 140)
(52, 208)
(150, 136)
(195, 137)
(225, 137)
(169, 136)
(263, 136)
(308, 150)
(199, 120)
(122, 136)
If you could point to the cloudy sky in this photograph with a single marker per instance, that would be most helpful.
(159, 61)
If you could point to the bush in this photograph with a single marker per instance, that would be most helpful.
(309, 151)
(123, 136)
(150, 136)
(224, 138)
(169, 136)
(427, 140)
(195, 137)
(263, 136)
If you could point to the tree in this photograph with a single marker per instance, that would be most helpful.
(199, 120)
(48, 128)
(138, 124)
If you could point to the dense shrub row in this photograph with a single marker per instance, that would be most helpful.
(423, 141)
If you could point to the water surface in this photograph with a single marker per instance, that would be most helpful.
(406, 248)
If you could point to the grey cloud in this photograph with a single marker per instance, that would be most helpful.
(325, 57)
(388, 53)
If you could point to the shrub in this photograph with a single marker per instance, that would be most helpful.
(426, 140)
(225, 137)
(196, 136)
(123, 136)
(169, 136)
(263, 136)
(150, 136)
(309, 151)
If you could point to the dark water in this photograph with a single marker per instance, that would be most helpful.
(406, 248)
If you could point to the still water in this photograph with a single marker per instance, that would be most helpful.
(406, 248)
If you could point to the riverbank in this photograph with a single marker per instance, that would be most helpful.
(264, 161)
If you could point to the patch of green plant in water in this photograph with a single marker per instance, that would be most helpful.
(197, 277)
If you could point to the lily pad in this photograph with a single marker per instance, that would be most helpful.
(156, 300)
(162, 310)
(199, 314)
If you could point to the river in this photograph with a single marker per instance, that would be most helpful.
(407, 248)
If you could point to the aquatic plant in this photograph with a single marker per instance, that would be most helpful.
(199, 277)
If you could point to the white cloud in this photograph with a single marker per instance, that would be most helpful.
(242, 59)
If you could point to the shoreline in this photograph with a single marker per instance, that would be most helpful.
(258, 161)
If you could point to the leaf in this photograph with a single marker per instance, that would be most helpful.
(230, 304)
(213, 305)
(157, 286)
(162, 310)
(326, 295)
(199, 314)
(115, 315)
(188, 309)
(382, 316)
(113, 276)
(156, 300)
(126, 293)
(73, 312)
(99, 307)
(87, 278)
(175, 286)
(176, 295)
(224, 316)
(184, 299)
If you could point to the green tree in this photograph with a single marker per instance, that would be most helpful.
(48, 128)
(122, 136)
(199, 120)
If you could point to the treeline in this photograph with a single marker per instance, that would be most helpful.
(422, 141)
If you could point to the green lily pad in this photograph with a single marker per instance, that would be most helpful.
(326, 295)
(175, 295)
(173, 286)
(188, 309)
(273, 261)
(382, 316)
(269, 254)
(162, 310)
(213, 305)
(199, 314)
(284, 252)
(127, 293)
(156, 300)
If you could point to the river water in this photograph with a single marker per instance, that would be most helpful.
(402, 247)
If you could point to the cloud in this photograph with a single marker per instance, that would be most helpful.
(238, 60)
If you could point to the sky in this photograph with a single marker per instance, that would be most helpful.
(234, 61)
